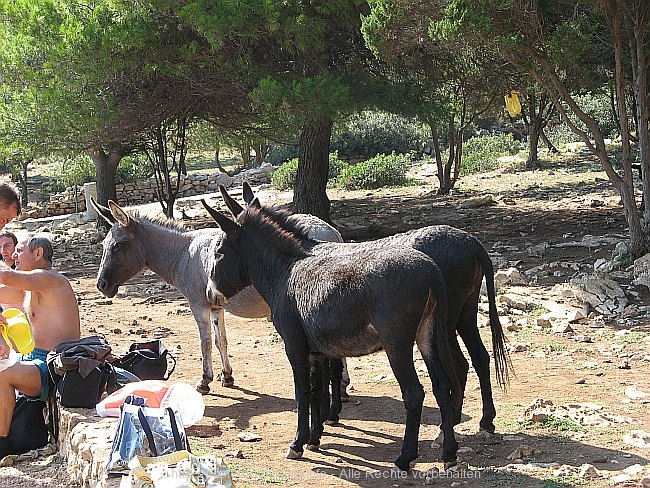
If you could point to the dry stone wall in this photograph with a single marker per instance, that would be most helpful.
(144, 191)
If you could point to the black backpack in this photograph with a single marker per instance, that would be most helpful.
(29, 428)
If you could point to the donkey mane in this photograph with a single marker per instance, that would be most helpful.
(281, 232)
(165, 222)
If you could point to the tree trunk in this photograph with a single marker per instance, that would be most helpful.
(444, 171)
(641, 63)
(217, 161)
(105, 170)
(638, 240)
(549, 145)
(309, 193)
(534, 134)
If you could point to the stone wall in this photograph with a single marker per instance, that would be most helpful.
(85, 441)
(144, 191)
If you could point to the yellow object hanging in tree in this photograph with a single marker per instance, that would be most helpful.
(512, 103)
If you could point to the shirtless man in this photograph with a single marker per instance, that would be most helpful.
(51, 306)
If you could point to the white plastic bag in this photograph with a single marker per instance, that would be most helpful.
(158, 394)
(186, 401)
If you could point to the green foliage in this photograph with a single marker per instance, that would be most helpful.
(561, 134)
(599, 107)
(75, 170)
(284, 177)
(482, 153)
(631, 338)
(280, 153)
(133, 168)
(380, 171)
(79, 169)
(369, 133)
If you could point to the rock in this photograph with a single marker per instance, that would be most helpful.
(645, 482)
(620, 478)
(576, 316)
(519, 347)
(249, 437)
(600, 292)
(478, 202)
(562, 328)
(582, 338)
(466, 453)
(523, 451)
(588, 471)
(641, 271)
(510, 276)
(638, 438)
(633, 394)
(511, 437)
(634, 470)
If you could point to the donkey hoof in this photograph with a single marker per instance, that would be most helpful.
(397, 472)
(332, 422)
(293, 454)
(313, 447)
(227, 381)
(203, 389)
(490, 428)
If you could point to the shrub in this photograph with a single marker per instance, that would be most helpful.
(560, 134)
(369, 133)
(284, 177)
(133, 168)
(69, 172)
(382, 170)
(281, 153)
(482, 153)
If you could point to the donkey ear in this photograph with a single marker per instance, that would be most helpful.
(227, 225)
(255, 203)
(232, 205)
(247, 192)
(104, 212)
(119, 214)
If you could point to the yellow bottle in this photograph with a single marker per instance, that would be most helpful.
(17, 333)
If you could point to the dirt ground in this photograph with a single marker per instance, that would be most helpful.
(559, 203)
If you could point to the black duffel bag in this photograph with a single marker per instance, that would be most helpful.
(148, 360)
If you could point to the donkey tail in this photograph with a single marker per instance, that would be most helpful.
(503, 366)
(437, 304)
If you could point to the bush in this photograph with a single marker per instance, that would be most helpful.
(284, 177)
(133, 168)
(482, 153)
(560, 134)
(69, 172)
(369, 133)
(281, 153)
(382, 170)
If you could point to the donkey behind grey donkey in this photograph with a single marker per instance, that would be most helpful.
(464, 262)
(184, 259)
(348, 302)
